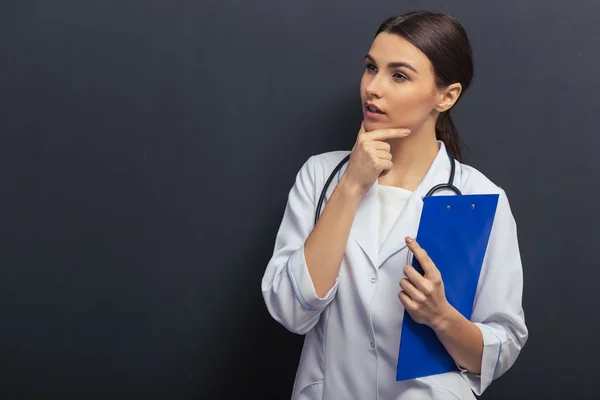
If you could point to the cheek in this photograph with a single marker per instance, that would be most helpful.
(363, 83)
(411, 106)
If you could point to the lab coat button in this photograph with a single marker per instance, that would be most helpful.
(373, 280)
(372, 345)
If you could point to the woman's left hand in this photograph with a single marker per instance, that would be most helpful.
(423, 296)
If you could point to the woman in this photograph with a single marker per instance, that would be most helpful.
(344, 281)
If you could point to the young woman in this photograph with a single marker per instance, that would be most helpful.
(344, 282)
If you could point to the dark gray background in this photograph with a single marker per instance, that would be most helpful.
(146, 153)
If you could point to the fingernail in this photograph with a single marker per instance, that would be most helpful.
(408, 239)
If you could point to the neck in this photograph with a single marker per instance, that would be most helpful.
(412, 157)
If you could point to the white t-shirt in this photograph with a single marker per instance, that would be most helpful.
(392, 201)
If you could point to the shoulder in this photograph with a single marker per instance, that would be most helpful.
(319, 166)
(473, 181)
(313, 174)
(326, 162)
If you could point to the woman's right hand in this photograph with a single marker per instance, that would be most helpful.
(370, 158)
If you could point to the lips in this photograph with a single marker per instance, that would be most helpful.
(373, 108)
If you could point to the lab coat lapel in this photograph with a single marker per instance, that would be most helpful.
(407, 223)
(364, 230)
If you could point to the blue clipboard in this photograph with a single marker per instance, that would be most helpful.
(454, 230)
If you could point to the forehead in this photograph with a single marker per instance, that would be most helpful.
(389, 47)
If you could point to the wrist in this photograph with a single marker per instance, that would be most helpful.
(443, 322)
(349, 189)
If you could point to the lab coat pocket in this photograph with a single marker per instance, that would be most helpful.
(313, 391)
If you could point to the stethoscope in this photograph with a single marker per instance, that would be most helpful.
(434, 189)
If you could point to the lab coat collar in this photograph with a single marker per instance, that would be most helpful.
(365, 227)
(407, 223)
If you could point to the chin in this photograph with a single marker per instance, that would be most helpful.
(376, 125)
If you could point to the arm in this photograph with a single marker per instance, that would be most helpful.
(462, 339)
(488, 345)
(302, 276)
(424, 298)
(324, 248)
(311, 258)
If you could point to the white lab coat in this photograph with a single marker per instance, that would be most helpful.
(353, 333)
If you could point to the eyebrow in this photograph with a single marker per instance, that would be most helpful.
(394, 64)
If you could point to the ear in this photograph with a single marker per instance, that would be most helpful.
(448, 97)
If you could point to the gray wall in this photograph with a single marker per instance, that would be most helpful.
(146, 153)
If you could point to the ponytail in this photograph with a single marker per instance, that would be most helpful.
(447, 133)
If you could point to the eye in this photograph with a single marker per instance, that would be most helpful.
(400, 76)
(371, 67)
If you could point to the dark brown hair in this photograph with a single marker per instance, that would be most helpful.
(445, 43)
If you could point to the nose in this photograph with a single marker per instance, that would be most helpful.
(374, 87)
